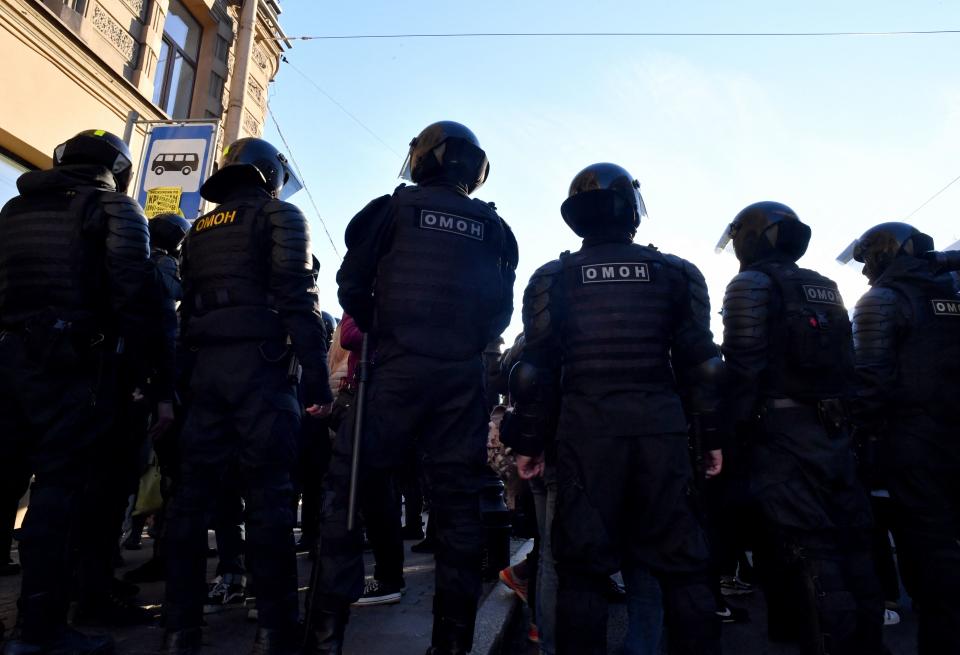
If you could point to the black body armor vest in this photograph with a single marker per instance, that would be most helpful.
(51, 259)
(227, 258)
(439, 283)
(811, 343)
(621, 306)
(929, 350)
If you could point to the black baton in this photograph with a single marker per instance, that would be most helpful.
(363, 372)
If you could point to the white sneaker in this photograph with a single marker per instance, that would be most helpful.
(890, 617)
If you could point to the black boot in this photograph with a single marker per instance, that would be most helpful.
(182, 642)
(325, 632)
(450, 636)
(271, 641)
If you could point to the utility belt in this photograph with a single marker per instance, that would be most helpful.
(61, 343)
(830, 411)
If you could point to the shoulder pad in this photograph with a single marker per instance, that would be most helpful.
(402, 185)
(127, 233)
(290, 235)
(878, 302)
(363, 222)
(538, 323)
(513, 250)
(750, 281)
(551, 269)
(696, 284)
(123, 208)
(875, 324)
(488, 208)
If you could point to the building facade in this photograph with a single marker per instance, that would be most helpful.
(71, 65)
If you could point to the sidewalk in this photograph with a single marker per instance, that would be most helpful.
(400, 629)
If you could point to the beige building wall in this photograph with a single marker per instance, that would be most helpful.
(67, 70)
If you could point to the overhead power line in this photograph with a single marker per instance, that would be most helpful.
(303, 181)
(934, 196)
(346, 111)
(514, 35)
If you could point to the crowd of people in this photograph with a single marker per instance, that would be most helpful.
(786, 457)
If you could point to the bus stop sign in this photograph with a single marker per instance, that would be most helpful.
(178, 156)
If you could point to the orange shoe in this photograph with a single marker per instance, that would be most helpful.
(533, 634)
(518, 586)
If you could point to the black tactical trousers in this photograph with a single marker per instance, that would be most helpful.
(53, 411)
(245, 417)
(926, 501)
(439, 404)
(815, 561)
(114, 475)
(623, 502)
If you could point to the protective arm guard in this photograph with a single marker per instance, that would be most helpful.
(534, 380)
(128, 264)
(876, 324)
(295, 296)
(509, 259)
(945, 261)
(536, 400)
(703, 385)
(746, 311)
(693, 340)
(358, 272)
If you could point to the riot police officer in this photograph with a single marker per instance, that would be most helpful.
(906, 332)
(617, 338)
(429, 274)
(249, 307)
(74, 276)
(167, 232)
(787, 344)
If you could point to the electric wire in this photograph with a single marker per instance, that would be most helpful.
(346, 111)
(934, 196)
(475, 35)
(303, 181)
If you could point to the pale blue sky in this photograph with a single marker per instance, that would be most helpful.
(848, 131)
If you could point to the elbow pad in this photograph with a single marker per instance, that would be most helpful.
(535, 397)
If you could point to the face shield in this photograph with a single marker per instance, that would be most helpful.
(725, 244)
(406, 171)
(292, 184)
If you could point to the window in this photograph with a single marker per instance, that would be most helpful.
(77, 5)
(216, 87)
(221, 49)
(177, 64)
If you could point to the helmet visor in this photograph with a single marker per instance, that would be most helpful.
(406, 171)
(292, 185)
(726, 239)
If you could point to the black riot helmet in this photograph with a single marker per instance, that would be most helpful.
(604, 200)
(446, 152)
(764, 229)
(881, 244)
(98, 147)
(247, 162)
(167, 231)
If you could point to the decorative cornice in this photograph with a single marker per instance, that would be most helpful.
(115, 33)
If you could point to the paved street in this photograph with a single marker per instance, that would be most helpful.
(744, 639)
(401, 629)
